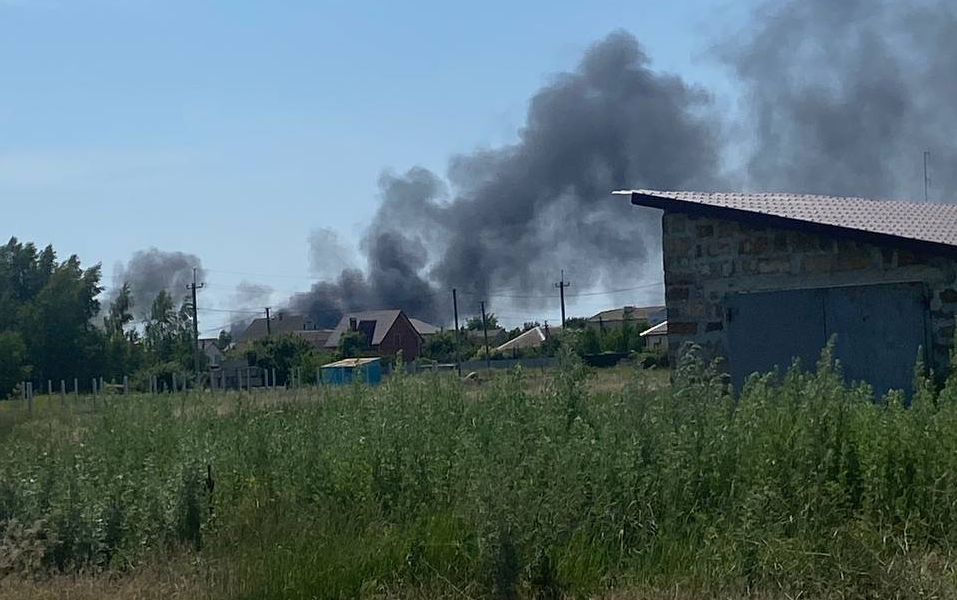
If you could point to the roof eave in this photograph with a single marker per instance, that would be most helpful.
(724, 212)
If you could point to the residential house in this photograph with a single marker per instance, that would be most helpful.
(210, 347)
(613, 318)
(278, 324)
(386, 332)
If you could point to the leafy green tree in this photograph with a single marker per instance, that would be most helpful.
(225, 339)
(169, 332)
(120, 315)
(279, 352)
(475, 323)
(124, 353)
(56, 324)
(352, 344)
(576, 323)
(589, 342)
(445, 346)
(12, 352)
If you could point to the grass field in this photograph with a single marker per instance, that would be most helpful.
(523, 485)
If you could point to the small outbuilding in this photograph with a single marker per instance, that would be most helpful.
(347, 370)
(656, 338)
(761, 279)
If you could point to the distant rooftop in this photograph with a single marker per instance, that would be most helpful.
(924, 222)
(424, 328)
(635, 313)
(382, 319)
(278, 323)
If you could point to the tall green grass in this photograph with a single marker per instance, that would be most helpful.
(800, 485)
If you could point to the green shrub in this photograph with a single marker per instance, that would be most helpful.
(799, 484)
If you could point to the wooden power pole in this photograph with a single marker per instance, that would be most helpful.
(488, 354)
(561, 285)
(193, 287)
(458, 334)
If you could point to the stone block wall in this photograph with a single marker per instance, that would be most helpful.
(705, 259)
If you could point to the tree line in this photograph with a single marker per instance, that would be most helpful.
(53, 327)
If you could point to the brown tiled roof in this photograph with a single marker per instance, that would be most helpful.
(924, 222)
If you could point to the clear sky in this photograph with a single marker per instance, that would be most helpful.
(231, 129)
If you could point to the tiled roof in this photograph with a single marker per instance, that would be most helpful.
(278, 324)
(925, 222)
(316, 337)
(383, 320)
(422, 327)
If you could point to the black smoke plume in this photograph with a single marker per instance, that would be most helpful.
(844, 97)
(250, 298)
(151, 271)
(837, 98)
(512, 217)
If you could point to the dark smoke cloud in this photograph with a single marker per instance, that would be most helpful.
(837, 98)
(252, 296)
(512, 217)
(328, 255)
(248, 297)
(151, 271)
(844, 97)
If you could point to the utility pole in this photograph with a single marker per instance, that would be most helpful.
(561, 285)
(488, 354)
(268, 325)
(926, 178)
(193, 287)
(458, 334)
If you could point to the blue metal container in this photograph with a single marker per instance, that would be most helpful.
(345, 371)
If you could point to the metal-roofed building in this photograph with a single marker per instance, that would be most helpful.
(348, 370)
(761, 278)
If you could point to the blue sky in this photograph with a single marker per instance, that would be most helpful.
(232, 129)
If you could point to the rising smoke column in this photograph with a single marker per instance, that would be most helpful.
(844, 97)
(151, 271)
(512, 217)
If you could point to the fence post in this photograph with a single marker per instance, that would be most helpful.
(62, 393)
(174, 382)
(76, 390)
(23, 389)
(49, 387)
(30, 396)
(126, 385)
